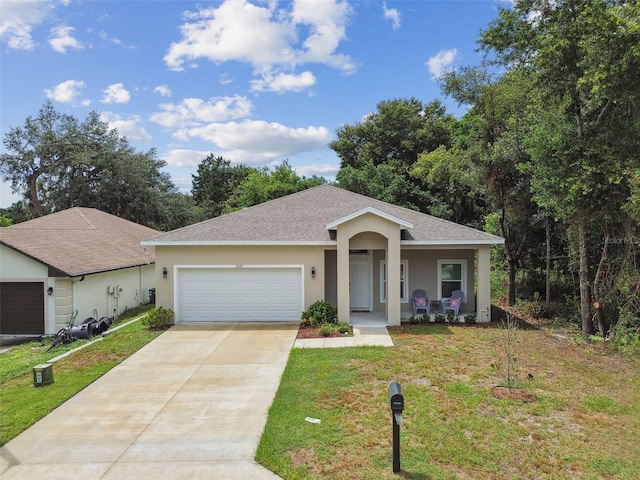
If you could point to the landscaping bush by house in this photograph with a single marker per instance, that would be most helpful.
(320, 313)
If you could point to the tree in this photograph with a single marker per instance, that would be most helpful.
(263, 184)
(395, 134)
(58, 162)
(381, 182)
(490, 145)
(378, 154)
(37, 150)
(584, 56)
(215, 182)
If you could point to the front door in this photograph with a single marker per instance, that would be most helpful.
(360, 288)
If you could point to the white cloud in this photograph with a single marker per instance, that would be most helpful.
(195, 111)
(441, 62)
(225, 79)
(127, 127)
(327, 24)
(393, 15)
(65, 92)
(265, 37)
(163, 90)
(323, 170)
(61, 39)
(116, 93)
(185, 158)
(114, 40)
(256, 142)
(284, 82)
(17, 19)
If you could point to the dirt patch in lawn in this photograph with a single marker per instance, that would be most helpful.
(513, 394)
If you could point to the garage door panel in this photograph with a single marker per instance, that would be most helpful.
(22, 308)
(239, 294)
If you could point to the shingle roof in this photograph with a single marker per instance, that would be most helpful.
(81, 241)
(303, 217)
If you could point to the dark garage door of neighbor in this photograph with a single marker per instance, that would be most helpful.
(22, 308)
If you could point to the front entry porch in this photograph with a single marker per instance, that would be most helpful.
(379, 319)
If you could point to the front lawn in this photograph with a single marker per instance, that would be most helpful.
(583, 425)
(22, 404)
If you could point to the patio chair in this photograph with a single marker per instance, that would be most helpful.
(453, 303)
(420, 301)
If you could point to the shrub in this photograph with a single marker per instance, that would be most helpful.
(625, 335)
(343, 327)
(158, 318)
(413, 319)
(534, 308)
(450, 316)
(326, 329)
(320, 313)
(439, 318)
(470, 318)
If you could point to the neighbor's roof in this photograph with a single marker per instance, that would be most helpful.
(303, 217)
(80, 241)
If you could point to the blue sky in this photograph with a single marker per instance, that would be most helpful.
(256, 81)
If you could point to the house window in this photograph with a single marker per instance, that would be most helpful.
(452, 275)
(404, 276)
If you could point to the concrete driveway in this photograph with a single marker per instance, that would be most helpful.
(191, 404)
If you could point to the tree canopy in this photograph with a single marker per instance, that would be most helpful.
(583, 56)
(56, 162)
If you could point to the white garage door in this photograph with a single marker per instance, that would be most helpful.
(239, 294)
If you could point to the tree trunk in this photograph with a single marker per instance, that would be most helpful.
(512, 281)
(511, 258)
(597, 304)
(32, 195)
(547, 282)
(585, 300)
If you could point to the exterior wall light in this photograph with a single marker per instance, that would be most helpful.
(164, 272)
(313, 272)
(50, 290)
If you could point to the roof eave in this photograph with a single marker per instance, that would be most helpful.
(374, 211)
(444, 243)
(190, 243)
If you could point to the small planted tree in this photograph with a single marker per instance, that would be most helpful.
(509, 346)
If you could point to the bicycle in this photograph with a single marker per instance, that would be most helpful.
(64, 336)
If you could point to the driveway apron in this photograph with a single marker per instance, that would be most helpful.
(191, 404)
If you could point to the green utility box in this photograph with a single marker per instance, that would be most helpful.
(42, 374)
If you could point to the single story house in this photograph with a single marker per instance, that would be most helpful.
(271, 261)
(77, 259)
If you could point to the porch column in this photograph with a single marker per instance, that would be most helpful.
(344, 310)
(483, 306)
(393, 276)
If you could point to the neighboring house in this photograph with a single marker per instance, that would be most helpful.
(271, 261)
(80, 258)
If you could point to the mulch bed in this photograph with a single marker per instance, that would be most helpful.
(307, 331)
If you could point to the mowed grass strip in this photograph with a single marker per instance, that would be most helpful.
(22, 404)
(584, 423)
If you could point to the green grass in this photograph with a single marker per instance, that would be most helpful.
(583, 424)
(22, 404)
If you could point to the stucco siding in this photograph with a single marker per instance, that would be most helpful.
(111, 293)
(15, 266)
(331, 272)
(423, 274)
